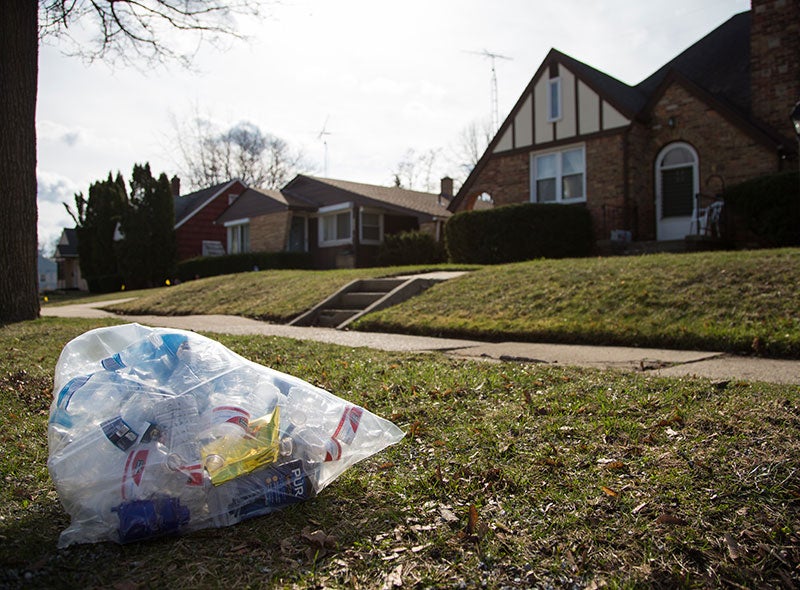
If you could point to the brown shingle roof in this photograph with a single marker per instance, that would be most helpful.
(321, 192)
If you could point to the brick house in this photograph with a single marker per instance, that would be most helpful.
(647, 160)
(340, 223)
(196, 233)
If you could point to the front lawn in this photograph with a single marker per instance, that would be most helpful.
(510, 475)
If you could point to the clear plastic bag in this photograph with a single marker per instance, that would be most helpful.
(155, 431)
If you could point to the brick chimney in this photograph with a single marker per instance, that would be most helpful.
(447, 188)
(775, 61)
(175, 184)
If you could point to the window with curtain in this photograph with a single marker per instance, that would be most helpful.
(559, 176)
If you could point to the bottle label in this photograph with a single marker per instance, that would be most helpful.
(66, 393)
(348, 425)
(267, 490)
(119, 433)
(134, 471)
(231, 415)
(333, 450)
(113, 363)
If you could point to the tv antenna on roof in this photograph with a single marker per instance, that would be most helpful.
(493, 57)
(322, 135)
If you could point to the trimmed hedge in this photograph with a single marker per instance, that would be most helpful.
(410, 248)
(768, 207)
(210, 266)
(519, 232)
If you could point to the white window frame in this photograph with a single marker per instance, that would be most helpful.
(559, 176)
(361, 237)
(554, 111)
(235, 227)
(333, 211)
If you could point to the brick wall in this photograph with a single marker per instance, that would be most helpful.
(775, 61)
(269, 233)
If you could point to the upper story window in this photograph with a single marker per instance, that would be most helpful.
(554, 99)
(559, 177)
(336, 225)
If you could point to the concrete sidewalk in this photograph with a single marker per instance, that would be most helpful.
(674, 363)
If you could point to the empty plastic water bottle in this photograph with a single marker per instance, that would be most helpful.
(154, 357)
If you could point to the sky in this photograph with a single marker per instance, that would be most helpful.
(380, 78)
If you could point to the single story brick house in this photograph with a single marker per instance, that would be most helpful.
(646, 160)
(340, 223)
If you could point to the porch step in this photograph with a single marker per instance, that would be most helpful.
(360, 297)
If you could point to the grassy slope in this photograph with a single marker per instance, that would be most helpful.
(276, 295)
(510, 475)
(736, 301)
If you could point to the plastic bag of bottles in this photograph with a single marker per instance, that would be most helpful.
(155, 432)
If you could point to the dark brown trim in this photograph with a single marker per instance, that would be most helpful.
(601, 121)
(577, 105)
(533, 118)
(514, 132)
(561, 142)
(553, 70)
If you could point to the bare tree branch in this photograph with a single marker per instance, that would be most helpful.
(132, 31)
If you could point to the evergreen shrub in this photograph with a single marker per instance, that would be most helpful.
(410, 248)
(210, 266)
(519, 232)
(768, 207)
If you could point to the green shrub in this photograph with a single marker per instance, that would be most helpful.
(104, 283)
(768, 207)
(519, 232)
(210, 266)
(410, 248)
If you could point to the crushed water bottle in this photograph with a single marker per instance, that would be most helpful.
(156, 432)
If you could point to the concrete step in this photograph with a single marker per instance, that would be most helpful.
(359, 299)
(378, 285)
(331, 318)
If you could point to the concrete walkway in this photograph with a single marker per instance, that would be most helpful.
(674, 363)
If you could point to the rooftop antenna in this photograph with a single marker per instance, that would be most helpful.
(493, 57)
(322, 135)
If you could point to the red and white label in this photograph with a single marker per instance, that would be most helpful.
(231, 415)
(348, 424)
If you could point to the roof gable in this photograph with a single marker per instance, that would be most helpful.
(187, 206)
(254, 203)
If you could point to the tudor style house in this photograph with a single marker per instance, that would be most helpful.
(339, 223)
(648, 160)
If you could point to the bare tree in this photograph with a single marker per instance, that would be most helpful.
(124, 30)
(416, 170)
(471, 144)
(210, 156)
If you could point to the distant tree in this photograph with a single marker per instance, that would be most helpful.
(147, 251)
(125, 30)
(416, 171)
(96, 220)
(471, 144)
(210, 156)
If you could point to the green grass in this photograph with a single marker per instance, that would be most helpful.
(510, 475)
(273, 295)
(745, 302)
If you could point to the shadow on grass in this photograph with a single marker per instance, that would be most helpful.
(279, 547)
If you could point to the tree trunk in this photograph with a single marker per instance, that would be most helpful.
(19, 53)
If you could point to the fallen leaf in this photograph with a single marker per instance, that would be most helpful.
(472, 521)
(609, 492)
(639, 508)
(394, 579)
(733, 547)
(447, 514)
(666, 518)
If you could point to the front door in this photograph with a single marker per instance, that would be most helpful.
(298, 239)
(676, 186)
